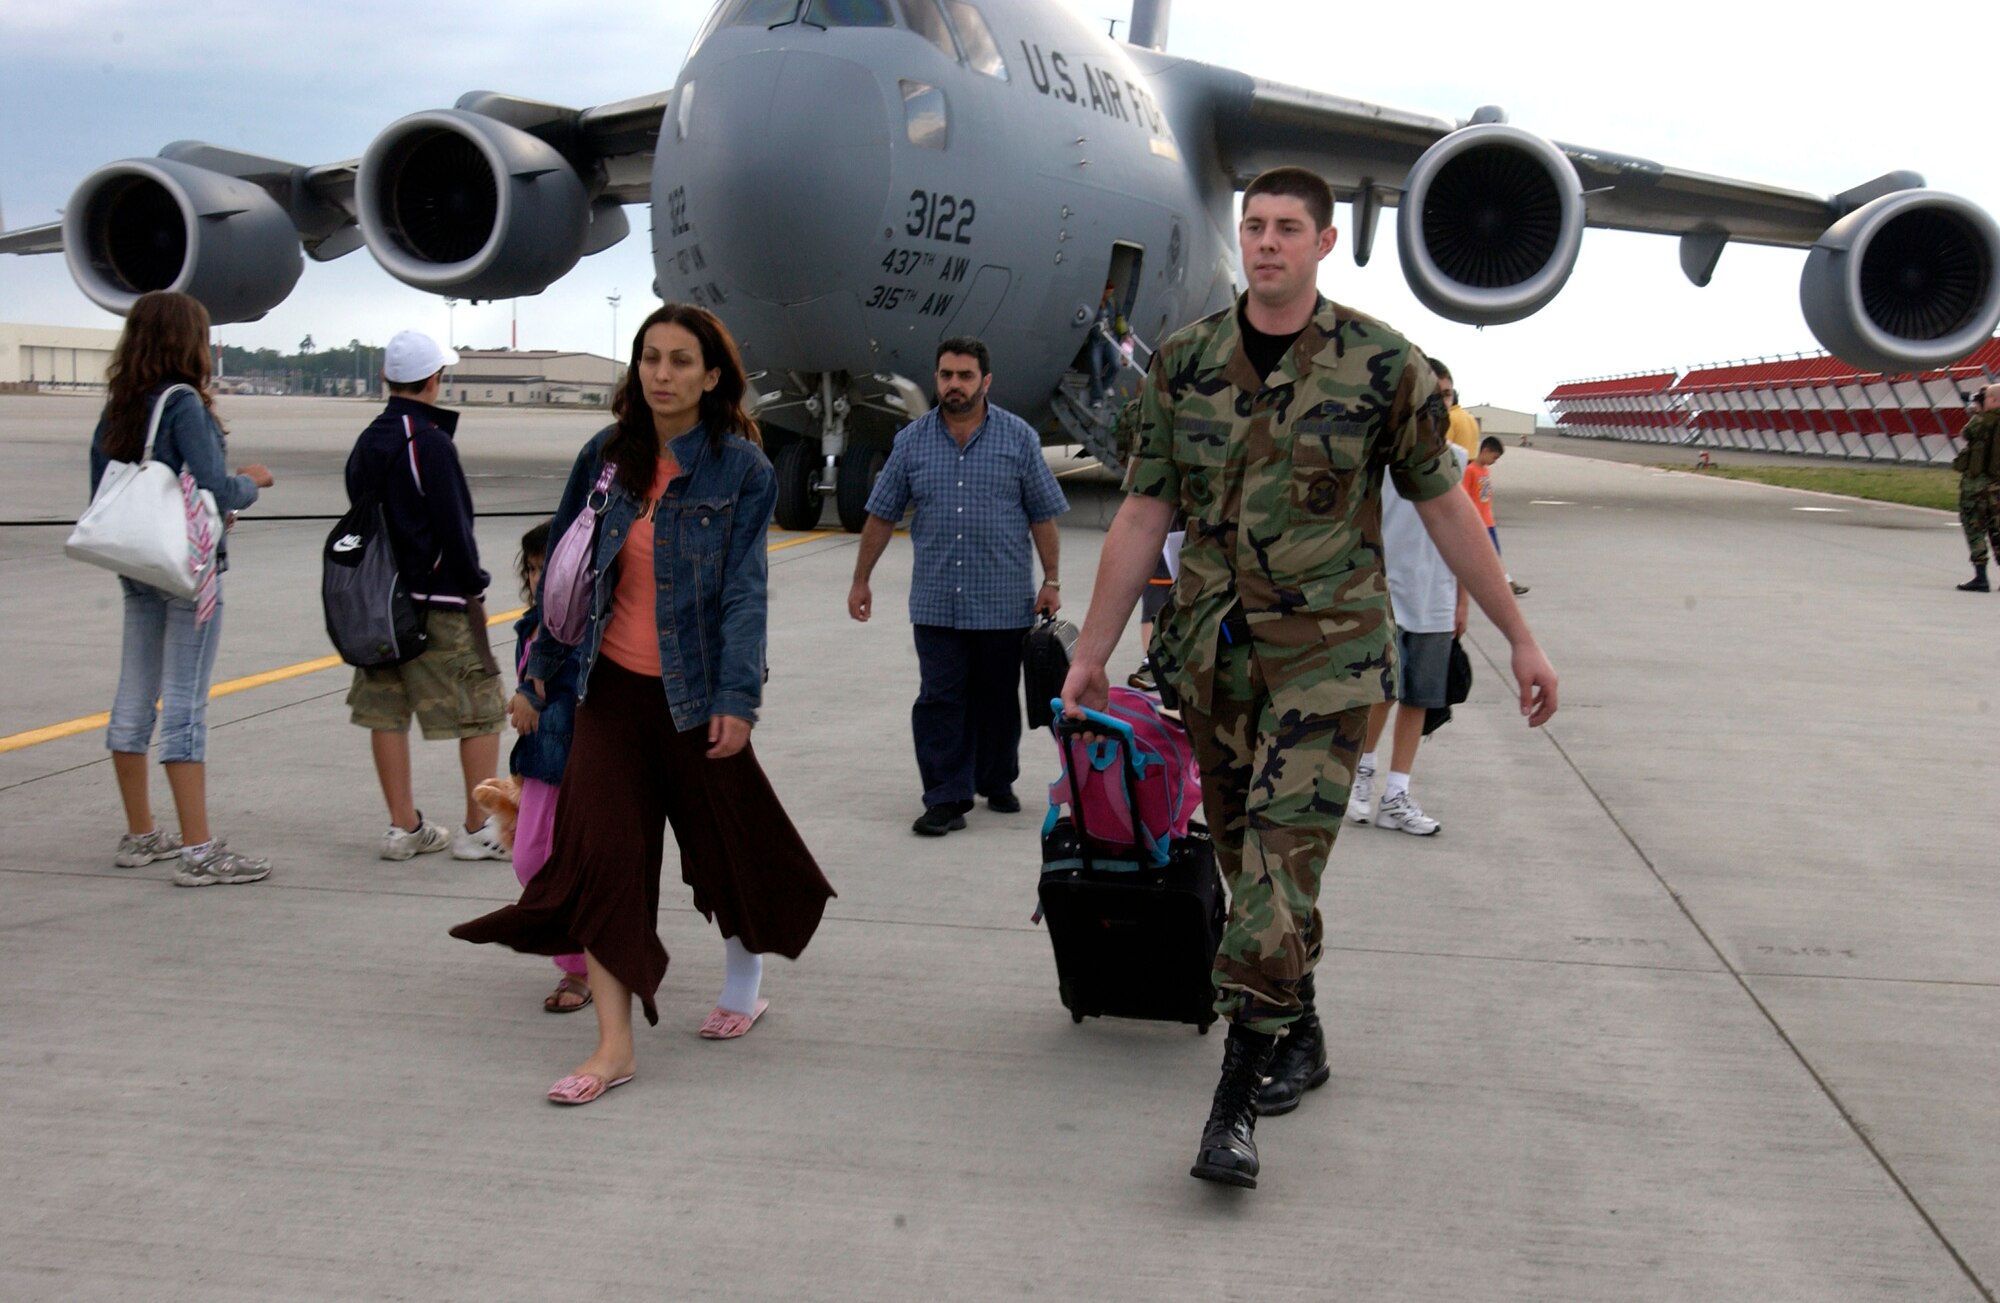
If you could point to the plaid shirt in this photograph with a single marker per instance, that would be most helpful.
(973, 567)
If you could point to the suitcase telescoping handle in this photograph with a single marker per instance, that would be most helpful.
(1067, 731)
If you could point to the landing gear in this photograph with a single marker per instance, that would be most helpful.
(855, 480)
(796, 468)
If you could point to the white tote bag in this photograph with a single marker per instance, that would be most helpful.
(147, 525)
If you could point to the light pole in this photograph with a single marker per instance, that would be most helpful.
(614, 299)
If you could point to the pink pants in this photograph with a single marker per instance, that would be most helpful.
(532, 836)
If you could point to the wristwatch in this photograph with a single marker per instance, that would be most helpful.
(1051, 583)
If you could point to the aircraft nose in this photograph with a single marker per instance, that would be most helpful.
(787, 164)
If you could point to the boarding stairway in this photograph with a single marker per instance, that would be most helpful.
(1093, 428)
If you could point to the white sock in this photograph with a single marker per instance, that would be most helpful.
(196, 852)
(743, 973)
(1399, 784)
(1367, 765)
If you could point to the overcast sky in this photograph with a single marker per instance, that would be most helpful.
(1766, 93)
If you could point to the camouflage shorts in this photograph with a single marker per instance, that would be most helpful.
(447, 688)
(1274, 787)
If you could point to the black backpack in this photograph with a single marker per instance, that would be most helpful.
(369, 614)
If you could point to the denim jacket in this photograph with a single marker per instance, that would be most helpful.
(543, 755)
(710, 564)
(189, 437)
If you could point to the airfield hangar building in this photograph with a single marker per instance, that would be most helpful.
(55, 357)
(537, 376)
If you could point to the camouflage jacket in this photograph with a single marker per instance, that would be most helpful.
(1281, 484)
(1979, 455)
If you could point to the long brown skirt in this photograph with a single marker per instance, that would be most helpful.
(630, 773)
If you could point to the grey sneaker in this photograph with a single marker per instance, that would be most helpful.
(138, 849)
(421, 840)
(482, 843)
(1361, 798)
(1401, 814)
(219, 865)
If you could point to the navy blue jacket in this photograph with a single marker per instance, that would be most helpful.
(711, 567)
(188, 437)
(407, 457)
(543, 755)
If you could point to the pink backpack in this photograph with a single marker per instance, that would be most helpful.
(1139, 786)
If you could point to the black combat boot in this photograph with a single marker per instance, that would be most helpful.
(1228, 1146)
(1300, 1062)
(1977, 584)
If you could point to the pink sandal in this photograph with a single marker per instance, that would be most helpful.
(582, 1087)
(727, 1024)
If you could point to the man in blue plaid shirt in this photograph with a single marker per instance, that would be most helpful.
(982, 491)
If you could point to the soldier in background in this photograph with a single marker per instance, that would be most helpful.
(1270, 424)
(1978, 467)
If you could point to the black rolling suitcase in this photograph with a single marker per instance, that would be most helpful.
(1132, 939)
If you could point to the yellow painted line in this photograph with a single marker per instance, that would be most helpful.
(84, 724)
(71, 727)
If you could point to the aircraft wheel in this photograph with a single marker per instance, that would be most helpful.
(858, 469)
(798, 506)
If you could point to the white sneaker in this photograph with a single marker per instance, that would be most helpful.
(1401, 814)
(482, 843)
(1361, 800)
(421, 840)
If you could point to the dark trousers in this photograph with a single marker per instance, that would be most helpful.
(967, 718)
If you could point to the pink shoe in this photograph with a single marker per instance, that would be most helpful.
(727, 1024)
(582, 1087)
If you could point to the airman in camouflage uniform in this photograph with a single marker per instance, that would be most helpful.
(1978, 467)
(1278, 638)
(1280, 477)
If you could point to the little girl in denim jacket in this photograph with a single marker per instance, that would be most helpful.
(541, 754)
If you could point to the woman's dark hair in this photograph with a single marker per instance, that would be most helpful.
(636, 446)
(165, 342)
(534, 543)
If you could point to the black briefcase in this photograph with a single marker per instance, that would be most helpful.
(1132, 940)
(1045, 653)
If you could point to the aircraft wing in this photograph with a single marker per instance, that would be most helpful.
(1361, 147)
(614, 142)
(33, 239)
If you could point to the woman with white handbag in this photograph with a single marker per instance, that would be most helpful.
(159, 411)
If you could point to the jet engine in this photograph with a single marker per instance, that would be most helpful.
(1906, 282)
(157, 224)
(459, 203)
(1489, 224)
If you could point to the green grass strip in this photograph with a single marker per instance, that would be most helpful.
(1912, 486)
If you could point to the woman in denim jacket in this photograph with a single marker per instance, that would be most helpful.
(671, 674)
(170, 642)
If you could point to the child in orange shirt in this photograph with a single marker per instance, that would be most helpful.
(1478, 483)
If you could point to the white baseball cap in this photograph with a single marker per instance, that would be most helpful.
(413, 356)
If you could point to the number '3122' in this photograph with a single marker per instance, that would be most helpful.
(946, 218)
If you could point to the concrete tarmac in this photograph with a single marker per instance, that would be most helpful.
(1694, 998)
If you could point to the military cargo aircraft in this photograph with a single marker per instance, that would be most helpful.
(849, 181)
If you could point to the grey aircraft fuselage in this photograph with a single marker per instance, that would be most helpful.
(801, 191)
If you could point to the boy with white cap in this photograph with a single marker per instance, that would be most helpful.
(406, 459)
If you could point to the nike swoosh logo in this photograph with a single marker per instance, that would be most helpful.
(347, 543)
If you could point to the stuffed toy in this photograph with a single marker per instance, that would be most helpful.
(501, 797)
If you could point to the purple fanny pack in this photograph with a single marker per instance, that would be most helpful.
(571, 578)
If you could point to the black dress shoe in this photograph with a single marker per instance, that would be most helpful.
(1228, 1151)
(1004, 803)
(937, 820)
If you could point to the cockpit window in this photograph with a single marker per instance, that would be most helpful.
(925, 119)
(981, 52)
(766, 13)
(926, 21)
(850, 13)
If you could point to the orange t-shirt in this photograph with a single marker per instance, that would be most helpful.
(632, 636)
(1478, 482)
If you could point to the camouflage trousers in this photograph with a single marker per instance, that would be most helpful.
(1275, 790)
(1979, 515)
